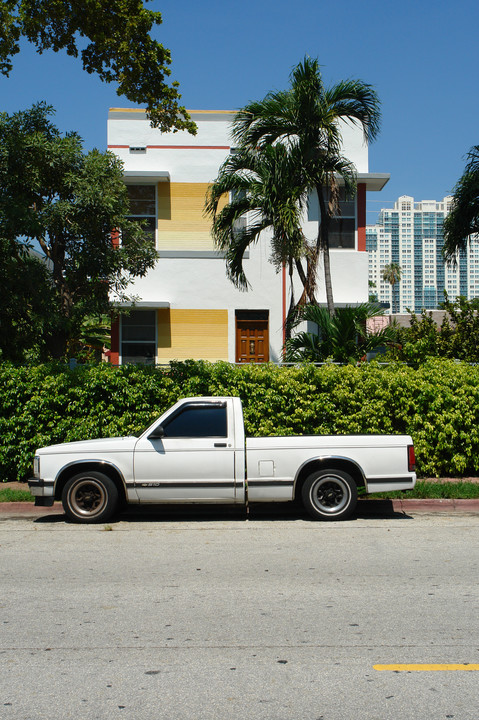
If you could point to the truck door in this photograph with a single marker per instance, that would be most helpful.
(190, 457)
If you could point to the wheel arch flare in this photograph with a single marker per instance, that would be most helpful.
(330, 462)
(77, 466)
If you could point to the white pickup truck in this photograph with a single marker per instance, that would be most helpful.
(196, 452)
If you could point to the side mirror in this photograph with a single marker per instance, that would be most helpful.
(157, 434)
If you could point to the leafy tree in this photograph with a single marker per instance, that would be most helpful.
(460, 329)
(342, 336)
(457, 337)
(308, 116)
(120, 50)
(67, 203)
(417, 342)
(463, 220)
(25, 304)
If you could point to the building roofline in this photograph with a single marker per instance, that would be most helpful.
(142, 111)
(373, 181)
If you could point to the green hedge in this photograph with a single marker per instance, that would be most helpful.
(438, 404)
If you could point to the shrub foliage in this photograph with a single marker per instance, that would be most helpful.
(457, 337)
(438, 404)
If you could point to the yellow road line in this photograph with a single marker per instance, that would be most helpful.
(425, 667)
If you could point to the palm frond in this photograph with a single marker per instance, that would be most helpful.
(239, 242)
(304, 347)
(356, 102)
(263, 122)
(463, 220)
(342, 336)
(290, 144)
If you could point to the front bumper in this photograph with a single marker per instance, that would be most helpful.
(42, 491)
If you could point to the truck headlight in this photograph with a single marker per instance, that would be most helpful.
(36, 466)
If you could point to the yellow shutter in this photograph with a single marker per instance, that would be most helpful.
(192, 334)
(182, 224)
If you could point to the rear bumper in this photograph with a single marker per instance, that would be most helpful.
(391, 483)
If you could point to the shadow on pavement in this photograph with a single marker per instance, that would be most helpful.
(272, 512)
(380, 509)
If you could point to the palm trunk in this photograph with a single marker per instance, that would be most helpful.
(307, 278)
(327, 280)
(322, 246)
(291, 311)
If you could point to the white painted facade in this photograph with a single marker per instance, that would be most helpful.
(190, 274)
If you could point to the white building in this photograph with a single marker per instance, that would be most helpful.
(187, 308)
(411, 235)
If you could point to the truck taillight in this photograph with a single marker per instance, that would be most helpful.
(411, 458)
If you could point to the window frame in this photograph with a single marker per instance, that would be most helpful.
(314, 215)
(135, 217)
(139, 342)
(220, 405)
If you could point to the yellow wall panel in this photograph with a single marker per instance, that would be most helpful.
(185, 240)
(182, 224)
(192, 334)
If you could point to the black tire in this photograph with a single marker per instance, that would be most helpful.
(330, 495)
(90, 497)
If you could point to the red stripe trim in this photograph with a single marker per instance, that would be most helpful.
(115, 238)
(179, 147)
(361, 200)
(189, 147)
(115, 342)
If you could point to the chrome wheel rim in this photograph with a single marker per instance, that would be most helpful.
(330, 494)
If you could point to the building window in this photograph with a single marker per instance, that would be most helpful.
(342, 227)
(138, 337)
(143, 207)
(341, 233)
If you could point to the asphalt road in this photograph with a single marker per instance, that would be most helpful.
(216, 617)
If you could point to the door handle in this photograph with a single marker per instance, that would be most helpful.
(220, 444)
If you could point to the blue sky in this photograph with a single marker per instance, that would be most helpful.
(420, 56)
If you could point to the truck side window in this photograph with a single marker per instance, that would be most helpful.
(199, 421)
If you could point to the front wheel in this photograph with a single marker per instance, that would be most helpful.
(330, 495)
(90, 497)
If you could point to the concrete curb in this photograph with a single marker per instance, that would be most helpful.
(443, 505)
(28, 509)
(366, 508)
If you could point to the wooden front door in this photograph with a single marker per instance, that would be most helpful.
(252, 340)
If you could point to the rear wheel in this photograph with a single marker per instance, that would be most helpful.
(330, 495)
(90, 497)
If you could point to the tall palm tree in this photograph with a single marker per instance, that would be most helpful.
(307, 116)
(463, 220)
(392, 274)
(265, 190)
